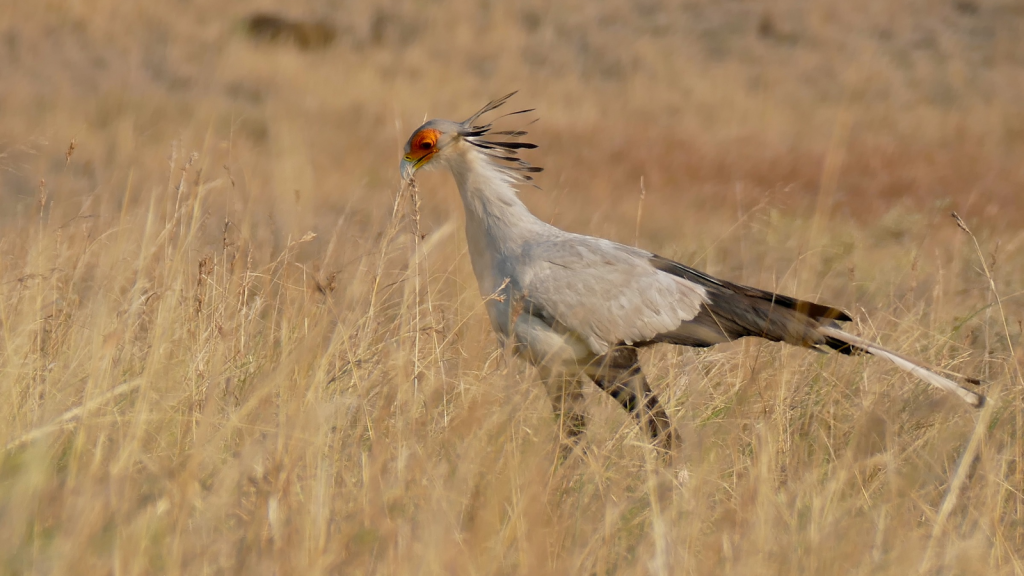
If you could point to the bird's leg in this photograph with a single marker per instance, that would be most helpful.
(566, 394)
(619, 374)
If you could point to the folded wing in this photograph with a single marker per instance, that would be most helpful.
(603, 292)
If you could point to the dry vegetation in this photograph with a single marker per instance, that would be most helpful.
(223, 349)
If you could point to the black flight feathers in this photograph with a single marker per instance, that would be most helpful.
(738, 310)
(815, 311)
(503, 150)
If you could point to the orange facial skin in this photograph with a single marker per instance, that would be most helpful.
(422, 146)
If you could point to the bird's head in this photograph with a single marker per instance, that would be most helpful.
(430, 145)
(435, 142)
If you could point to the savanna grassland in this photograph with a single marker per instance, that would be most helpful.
(229, 346)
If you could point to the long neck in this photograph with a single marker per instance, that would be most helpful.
(497, 222)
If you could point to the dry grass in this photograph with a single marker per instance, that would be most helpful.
(224, 351)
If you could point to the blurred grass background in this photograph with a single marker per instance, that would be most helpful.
(223, 351)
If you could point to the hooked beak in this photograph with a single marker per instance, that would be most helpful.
(407, 169)
(410, 163)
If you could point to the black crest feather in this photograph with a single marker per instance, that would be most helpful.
(501, 150)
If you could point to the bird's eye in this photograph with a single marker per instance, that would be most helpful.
(426, 145)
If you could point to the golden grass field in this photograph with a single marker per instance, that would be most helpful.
(224, 350)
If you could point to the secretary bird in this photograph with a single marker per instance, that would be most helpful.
(579, 307)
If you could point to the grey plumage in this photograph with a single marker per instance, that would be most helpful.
(578, 307)
(605, 292)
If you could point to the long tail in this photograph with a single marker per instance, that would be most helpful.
(734, 311)
(837, 338)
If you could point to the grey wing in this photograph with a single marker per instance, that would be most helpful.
(604, 292)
